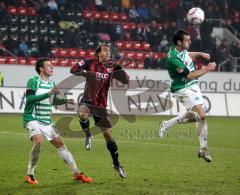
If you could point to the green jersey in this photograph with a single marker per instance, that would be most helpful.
(176, 63)
(38, 106)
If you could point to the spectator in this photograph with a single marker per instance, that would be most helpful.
(143, 12)
(44, 47)
(23, 46)
(133, 14)
(11, 44)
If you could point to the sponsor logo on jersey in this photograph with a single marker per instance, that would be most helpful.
(101, 75)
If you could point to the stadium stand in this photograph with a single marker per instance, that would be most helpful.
(140, 30)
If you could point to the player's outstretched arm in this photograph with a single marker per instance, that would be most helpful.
(198, 73)
(33, 98)
(199, 54)
(120, 75)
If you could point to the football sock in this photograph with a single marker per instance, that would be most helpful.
(113, 149)
(202, 130)
(85, 126)
(187, 117)
(68, 158)
(33, 158)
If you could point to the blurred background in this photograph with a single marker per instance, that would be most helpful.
(140, 31)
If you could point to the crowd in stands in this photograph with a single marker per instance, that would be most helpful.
(31, 28)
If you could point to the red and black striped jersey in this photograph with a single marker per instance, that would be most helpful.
(98, 79)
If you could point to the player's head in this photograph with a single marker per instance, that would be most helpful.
(44, 66)
(181, 39)
(103, 52)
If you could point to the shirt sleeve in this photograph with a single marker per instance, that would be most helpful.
(80, 67)
(32, 84)
(180, 67)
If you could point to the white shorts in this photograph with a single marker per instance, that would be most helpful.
(190, 96)
(48, 131)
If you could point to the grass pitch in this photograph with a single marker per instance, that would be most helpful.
(153, 166)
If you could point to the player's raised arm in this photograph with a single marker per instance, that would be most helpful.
(31, 92)
(199, 54)
(120, 75)
(198, 73)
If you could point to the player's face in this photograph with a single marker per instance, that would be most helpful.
(48, 68)
(105, 54)
(186, 42)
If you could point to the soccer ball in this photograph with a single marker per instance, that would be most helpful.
(195, 16)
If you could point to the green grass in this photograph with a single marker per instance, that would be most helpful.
(153, 166)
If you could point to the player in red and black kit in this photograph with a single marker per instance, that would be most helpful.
(99, 72)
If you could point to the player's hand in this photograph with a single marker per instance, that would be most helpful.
(205, 56)
(70, 101)
(54, 90)
(211, 66)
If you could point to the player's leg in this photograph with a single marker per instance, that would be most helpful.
(64, 153)
(189, 98)
(105, 126)
(37, 139)
(202, 131)
(84, 112)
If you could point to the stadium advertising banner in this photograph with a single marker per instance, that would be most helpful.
(129, 101)
(211, 82)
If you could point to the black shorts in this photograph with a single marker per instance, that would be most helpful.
(100, 114)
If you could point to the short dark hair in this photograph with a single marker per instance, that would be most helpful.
(40, 64)
(99, 47)
(178, 35)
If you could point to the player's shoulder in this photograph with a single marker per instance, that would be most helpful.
(51, 82)
(87, 61)
(34, 79)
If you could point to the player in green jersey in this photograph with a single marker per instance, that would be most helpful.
(184, 86)
(37, 119)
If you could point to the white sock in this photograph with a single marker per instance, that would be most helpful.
(202, 130)
(188, 116)
(33, 158)
(68, 158)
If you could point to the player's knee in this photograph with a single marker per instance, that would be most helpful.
(107, 133)
(83, 112)
(37, 139)
(202, 116)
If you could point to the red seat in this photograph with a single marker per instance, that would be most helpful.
(132, 64)
(90, 53)
(62, 62)
(96, 15)
(22, 60)
(22, 10)
(122, 16)
(12, 10)
(54, 52)
(11, 60)
(145, 54)
(119, 44)
(132, 25)
(2, 60)
(87, 14)
(54, 61)
(139, 64)
(114, 16)
(32, 61)
(129, 54)
(162, 55)
(125, 26)
(127, 45)
(145, 46)
(138, 56)
(62, 52)
(136, 45)
(72, 52)
(81, 53)
(31, 11)
(105, 15)
(155, 55)
(72, 62)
